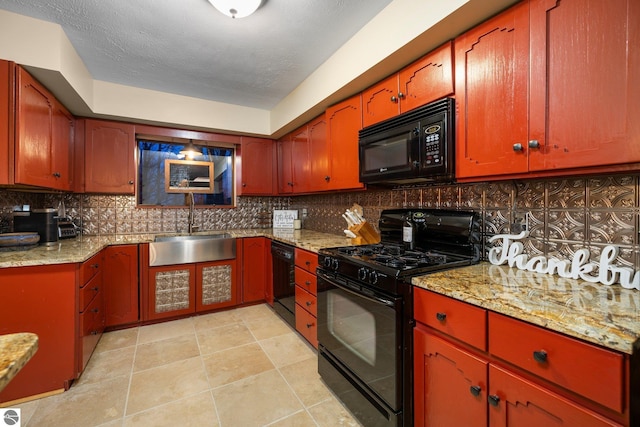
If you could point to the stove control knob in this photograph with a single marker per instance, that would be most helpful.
(327, 262)
(363, 273)
(334, 264)
(373, 278)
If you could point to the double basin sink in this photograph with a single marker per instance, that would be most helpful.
(170, 250)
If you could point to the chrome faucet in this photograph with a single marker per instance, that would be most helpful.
(191, 227)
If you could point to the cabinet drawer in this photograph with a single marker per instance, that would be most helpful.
(92, 318)
(307, 260)
(583, 368)
(462, 321)
(307, 325)
(306, 300)
(90, 268)
(89, 291)
(307, 281)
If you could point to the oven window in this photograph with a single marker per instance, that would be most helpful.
(353, 326)
(389, 153)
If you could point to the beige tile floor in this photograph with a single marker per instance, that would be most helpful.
(239, 368)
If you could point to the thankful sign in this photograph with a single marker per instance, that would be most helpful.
(511, 253)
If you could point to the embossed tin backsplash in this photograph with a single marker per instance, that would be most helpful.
(566, 214)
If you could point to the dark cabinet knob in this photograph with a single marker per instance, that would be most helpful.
(57, 174)
(244, 184)
(309, 325)
(394, 99)
(327, 178)
(95, 265)
(95, 289)
(308, 283)
(130, 182)
(493, 400)
(400, 95)
(540, 356)
(441, 316)
(534, 143)
(475, 390)
(518, 147)
(309, 303)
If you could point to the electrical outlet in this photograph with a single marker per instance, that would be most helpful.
(304, 212)
(520, 224)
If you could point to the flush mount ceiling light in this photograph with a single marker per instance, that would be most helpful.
(236, 8)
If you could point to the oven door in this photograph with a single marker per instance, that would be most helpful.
(361, 332)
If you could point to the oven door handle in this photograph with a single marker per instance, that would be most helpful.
(374, 299)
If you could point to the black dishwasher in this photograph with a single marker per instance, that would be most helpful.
(284, 281)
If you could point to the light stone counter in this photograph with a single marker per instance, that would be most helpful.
(15, 351)
(604, 315)
(82, 248)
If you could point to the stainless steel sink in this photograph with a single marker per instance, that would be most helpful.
(170, 250)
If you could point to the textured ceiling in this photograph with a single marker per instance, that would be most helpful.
(187, 47)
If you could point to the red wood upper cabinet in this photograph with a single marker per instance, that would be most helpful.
(285, 167)
(425, 80)
(585, 94)
(120, 277)
(548, 87)
(319, 154)
(294, 171)
(257, 166)
(43, 138)
(109, 150)
(492, 63)
(344, 120)
(7, 84)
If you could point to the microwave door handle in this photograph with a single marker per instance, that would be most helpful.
(376, 300)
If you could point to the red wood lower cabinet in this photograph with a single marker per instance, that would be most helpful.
(216, 285)
(121, 285)
(450, 384)
(516, 402)
(453, 387)
(42, 300)
(254, 268)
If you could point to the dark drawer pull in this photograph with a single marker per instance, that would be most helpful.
(95, 289)
(95, 310)
(309, 303)
(308, 263)
(475, 390)
(441, 316)
(308, 283)
(95, 265)
(310, 325)
(540, 356)
(493, 399)
(95, 332)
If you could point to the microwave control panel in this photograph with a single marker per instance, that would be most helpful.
(434, 153)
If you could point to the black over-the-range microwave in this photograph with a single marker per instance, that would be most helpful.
(414, 147)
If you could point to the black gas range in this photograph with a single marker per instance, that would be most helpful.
(365, 307)
(440, 239)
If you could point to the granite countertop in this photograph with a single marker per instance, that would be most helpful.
(15, 351)
(601, 314)
(82, 248)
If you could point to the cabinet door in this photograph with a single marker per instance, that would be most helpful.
(516, 402)
(254, 268)
(121, 284)
(491, 65)
(428, 79)
(585, 96)
(285, 166)
(257, 156)
(171, 291)
(109, 157)
(319, 155)
(34, 140)
(7, 84)
(380, 101)
(62, 129)
(450, 384)
(300, 164)
(344, 120)
(216, 285)
(43, 300)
